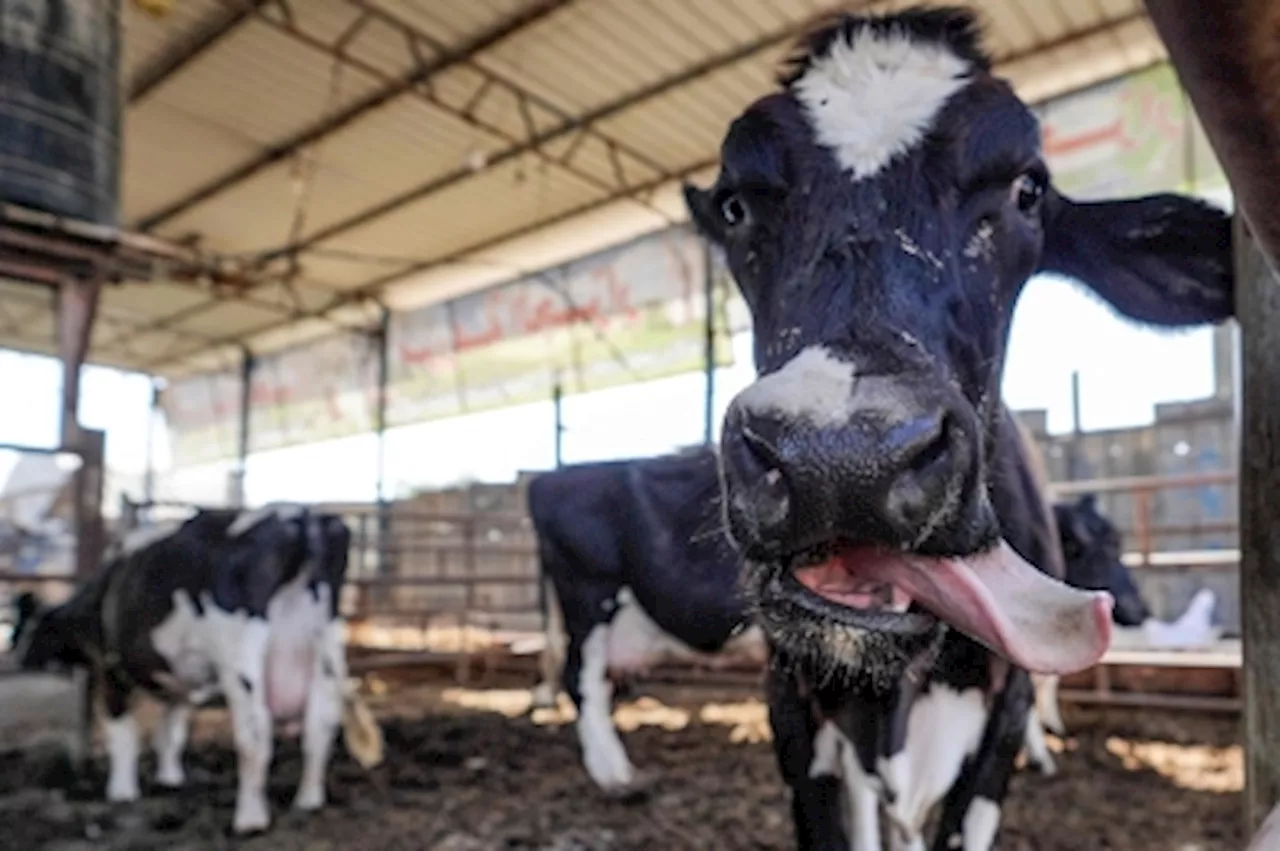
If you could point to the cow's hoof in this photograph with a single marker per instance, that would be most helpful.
(171, 779)
(1049, 768)
(309, 800)
(252, 818)
(122, 793)
(544, 697)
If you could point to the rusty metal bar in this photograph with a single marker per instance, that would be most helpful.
(1134, 483)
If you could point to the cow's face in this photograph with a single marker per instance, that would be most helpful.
(880, 215)
(1091, 547)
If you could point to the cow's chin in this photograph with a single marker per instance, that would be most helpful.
(871, 634)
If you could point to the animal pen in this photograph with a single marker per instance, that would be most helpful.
(152, 263)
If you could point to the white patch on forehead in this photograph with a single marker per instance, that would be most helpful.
(874, 96)
(813, 385)
(247, 520)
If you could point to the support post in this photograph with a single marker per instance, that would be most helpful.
(709, 343)
(557, 401)
(382, 337)
(149, 475)
(1073, 458)
(1258, 308)
(77, 308)
(236, 495)
(86, 484)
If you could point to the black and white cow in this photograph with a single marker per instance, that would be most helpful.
(241, 605)
(881, 213)
(641, 572)
(1091, 553)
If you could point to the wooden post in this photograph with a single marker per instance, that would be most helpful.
(1258, 307)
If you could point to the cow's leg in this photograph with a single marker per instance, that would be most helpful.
(244, 685)
(322, 718)
(832, 755)
(1037, 747)
(169, 740)
(815, 793)
(587, 678)
(1046, 689)
(971, 813)
(551, 660)
(120, 730)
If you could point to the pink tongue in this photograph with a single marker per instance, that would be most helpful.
(997, 598)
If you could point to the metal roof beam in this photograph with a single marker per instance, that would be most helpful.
(193, 48)
(427, 95)
(696, 72)
(331, 124)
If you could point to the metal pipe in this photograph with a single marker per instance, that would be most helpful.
(557, 400)
(709, 342)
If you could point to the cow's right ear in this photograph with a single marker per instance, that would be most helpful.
(26, 605)
(1161, 260)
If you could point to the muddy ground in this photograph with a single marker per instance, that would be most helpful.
(467, 772)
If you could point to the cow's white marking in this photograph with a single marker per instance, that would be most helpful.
(323, 715)
(169, 740)
(602, 751)
(814, 385)
(637, 643)
(242, 669)
(121, 736)
(834, 755)
(137, 540)
(297, 619)
(943, 728)
(1047, 708)
(1037, 747)
(873, 97)
(184, 641)
(248, 519)
(1268, 836)
(980, 824)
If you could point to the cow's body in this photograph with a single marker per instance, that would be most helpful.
(230, 604)
(641, 574)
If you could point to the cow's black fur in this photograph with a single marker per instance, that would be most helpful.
(910, 278)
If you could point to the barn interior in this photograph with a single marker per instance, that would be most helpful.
(316, 220)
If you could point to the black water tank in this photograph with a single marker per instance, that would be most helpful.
(60, 107)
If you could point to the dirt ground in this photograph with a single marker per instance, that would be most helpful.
(468, 771)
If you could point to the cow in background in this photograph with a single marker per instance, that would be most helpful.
(241, 605)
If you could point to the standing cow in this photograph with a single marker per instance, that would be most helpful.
(238, 604)
(880, 214)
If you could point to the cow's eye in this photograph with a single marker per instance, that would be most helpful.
(733, 210)
(1027, 192)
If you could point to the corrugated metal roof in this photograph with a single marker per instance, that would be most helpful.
(412, 148)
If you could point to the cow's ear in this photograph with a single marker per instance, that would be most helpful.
(1161, 260)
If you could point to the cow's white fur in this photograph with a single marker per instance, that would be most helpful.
(944, 728)
(602, 751)
(637, 643)
(169, 740)
(323, 714)
(981, 822)
(1037, 748)
(121, 734)
(814, 385)
(874, 97)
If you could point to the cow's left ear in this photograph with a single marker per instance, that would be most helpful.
(1161, 260)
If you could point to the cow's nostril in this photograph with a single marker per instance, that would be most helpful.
(928, 466)
(764, 493)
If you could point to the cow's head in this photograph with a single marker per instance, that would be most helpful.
(881, 214)
(1091, 548)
